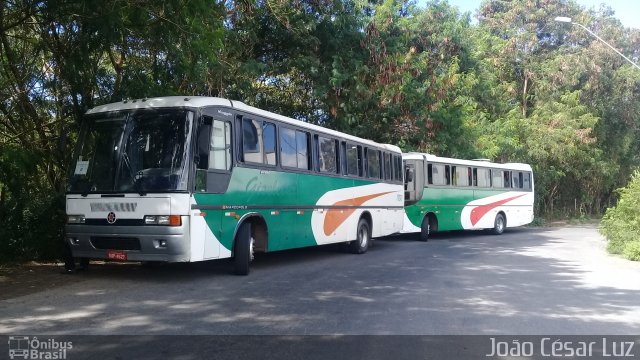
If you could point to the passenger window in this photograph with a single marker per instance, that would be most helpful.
(526, 184)
(373, 163)
(328, 159)
(302, 148)
(507, 178)
(220, 147)
(483, 178)
(269, 141)
(353, 160)
(288, 148)
(294, 148)
(252, 141)
(460, 176)
(342, 157)
(387, 167)
(497, 179)
(440, 174)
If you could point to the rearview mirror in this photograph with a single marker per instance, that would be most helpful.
(408, 175)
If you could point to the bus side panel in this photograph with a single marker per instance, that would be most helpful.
(414, 214)
(447, 205)
(301, 209)
(481, 213)
(336, 218)
(213, 245)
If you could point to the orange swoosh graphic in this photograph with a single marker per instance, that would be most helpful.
(335, 217)
(478, 212)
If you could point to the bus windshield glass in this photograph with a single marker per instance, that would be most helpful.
(140, 151)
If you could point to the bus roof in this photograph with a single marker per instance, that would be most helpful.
(488, 164)
(202, 101)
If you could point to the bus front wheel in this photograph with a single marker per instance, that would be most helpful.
(425, 229)
(499, 224)
(243, 254)
(363, 238)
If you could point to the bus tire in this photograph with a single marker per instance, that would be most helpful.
(243, 250)
(363, 238)
(499, 224)
(425, 229)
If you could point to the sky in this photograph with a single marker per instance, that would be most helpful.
(628, 11)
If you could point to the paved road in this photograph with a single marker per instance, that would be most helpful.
(527, 281)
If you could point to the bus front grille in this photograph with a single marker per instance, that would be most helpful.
(115, 243)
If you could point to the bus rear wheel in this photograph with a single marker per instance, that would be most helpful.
(243, 254)
(499, 224)
(363, 237)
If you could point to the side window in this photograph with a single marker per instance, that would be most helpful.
(430, 174)
(440, 174)
(460, 176)
(398, 165)
(526, 183)
(353, 160)
(204, 142)
(497, 179)
(516, 179)
(220, 147)
(483, 178)
(252, 141)
(288, 148)
(342, 156)
(269, 141)
(373, 161)
(328, 156)
(507, 178)
(388, 171)
(294, 148)
(302, 148)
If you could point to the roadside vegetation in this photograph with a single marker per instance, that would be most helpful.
(621, 224)
(512, 86)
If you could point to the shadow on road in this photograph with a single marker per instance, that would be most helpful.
(526, 281)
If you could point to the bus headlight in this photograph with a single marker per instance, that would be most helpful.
(167, 220)
(75, 219)
(150, 220)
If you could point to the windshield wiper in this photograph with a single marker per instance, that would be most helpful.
(135, 178)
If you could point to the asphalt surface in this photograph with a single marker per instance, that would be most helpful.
(527, 281)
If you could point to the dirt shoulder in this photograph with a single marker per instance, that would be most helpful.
(32, 277)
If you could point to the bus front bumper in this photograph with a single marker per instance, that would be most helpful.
(139, 243)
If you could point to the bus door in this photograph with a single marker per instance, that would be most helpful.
(213, 162)
(413, 181)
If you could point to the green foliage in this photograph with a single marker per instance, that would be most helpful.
(632, 251)
(621, 223)
(515, 86)
(32, 216)
(538, 222)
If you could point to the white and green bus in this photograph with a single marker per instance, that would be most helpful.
(177, 179)
(444, 194)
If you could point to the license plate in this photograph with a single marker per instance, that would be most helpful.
(116, 255)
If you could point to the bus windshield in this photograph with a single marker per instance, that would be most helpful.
(139, 151)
